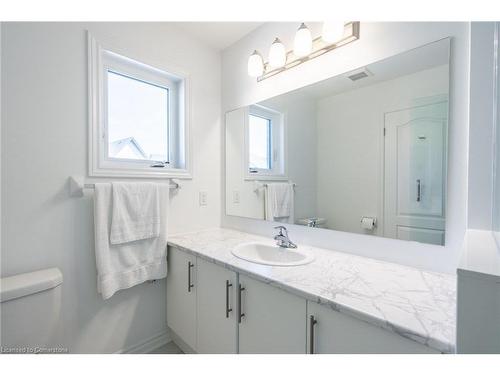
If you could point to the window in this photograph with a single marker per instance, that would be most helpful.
(138, 118)
(265, 143)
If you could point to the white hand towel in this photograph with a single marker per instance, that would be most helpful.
(279, 199)
(136, 212)
(125, 265)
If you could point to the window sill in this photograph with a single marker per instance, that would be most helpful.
(142, 173)
(257, 177)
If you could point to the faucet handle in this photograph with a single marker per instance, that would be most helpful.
(281, 228)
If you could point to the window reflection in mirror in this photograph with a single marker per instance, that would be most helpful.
(259, 143)
(264, 143)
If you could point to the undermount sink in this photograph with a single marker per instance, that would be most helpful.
(258, 252)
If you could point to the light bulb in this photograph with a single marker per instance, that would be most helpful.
(255, 65)
(302, 45)
(277, 54)
(333, 31)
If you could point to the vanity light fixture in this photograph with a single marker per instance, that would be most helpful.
(332, 31)
(302, 44)
(255, 65)
(305, 48)
(277, 54)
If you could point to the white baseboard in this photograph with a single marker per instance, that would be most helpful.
(181, 343)
(147, 345)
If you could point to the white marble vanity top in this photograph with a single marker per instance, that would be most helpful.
(416, 304)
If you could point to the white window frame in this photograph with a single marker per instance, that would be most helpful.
(278, 169)
(101, 60)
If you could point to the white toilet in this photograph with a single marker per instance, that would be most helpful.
(29, 309)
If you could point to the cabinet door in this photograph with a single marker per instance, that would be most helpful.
(273, 320)
(181, 295)
(334, 332)
(217, 324)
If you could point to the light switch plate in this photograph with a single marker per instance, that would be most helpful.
(236, 196)
(203, 198)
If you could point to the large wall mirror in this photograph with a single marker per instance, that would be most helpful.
(362, 152)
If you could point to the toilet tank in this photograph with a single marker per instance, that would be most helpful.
(29, 311)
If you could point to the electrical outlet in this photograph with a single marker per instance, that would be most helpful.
(203, 198)
(236, 196)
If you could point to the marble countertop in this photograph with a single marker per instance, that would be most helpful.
(416, 304)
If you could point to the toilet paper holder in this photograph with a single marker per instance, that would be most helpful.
(368, 222)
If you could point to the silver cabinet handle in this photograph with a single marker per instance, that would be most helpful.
(190, 284)
(418, 190)
(312, 323)
(240, 314)
(228, 309)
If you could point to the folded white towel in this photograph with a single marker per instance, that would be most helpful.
(279, 202)
(125, 265)
(136, 212)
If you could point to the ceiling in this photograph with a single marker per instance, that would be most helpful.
(218, 35)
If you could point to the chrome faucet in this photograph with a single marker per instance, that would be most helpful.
(282, 239)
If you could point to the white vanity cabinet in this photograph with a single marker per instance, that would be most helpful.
(181, 295)
(272, 320)
(329, 331)
(217, 330)
(201, 299)
(211, 309)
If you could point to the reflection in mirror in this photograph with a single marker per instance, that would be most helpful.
(362, 152)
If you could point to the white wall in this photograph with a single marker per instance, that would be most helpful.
(0, 135)
(378, 41)
(350, 145)
(478, 284)
(482, 120)
(44, 140)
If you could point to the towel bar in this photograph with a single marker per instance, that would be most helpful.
(76, 186)
(261, 185)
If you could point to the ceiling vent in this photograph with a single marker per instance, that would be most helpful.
(360, 74)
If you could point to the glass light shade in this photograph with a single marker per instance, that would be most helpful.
(333, 31)
(302, 45)
(255, 65)
(277, 54)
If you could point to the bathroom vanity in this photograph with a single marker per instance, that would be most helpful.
(362, 152)
(338, 303)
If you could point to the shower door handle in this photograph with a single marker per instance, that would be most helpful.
(419, 191)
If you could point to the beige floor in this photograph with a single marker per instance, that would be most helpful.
(169, 348)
